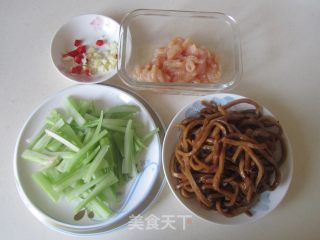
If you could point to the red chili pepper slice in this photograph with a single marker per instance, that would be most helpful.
(78, 58)
(77, 42)
(71, 54)
(99, 42)
(81, 49)
(76, 70)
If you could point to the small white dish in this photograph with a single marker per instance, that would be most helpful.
(268, 200)
(139, 192)
(87, 28)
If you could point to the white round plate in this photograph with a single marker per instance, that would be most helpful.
(139, 192)
(268, 200)
(88, 28)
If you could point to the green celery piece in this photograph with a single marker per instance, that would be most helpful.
(64, 141)
(37, 157)
(91, 155)
(52, 174)
(84, 106)
(54, 145)
(71, 107)
(85, 149)
(36, 138)
(115, 122)
(109, 177)
(100, 208)
(128, 149)
(114, 128)
(122, 109)
(46, 185)
(90, 117)
(45, 139)
(98, 129)
(53, 117)
(110, 195)
(90, 124)
(70, 134)
(139, 145)
(67, 179)
(88, 135)
(96, 162)
(150, 135)
(119, 140)
(110, 154)
(96, 190)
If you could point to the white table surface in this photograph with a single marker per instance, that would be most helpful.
(281, 56)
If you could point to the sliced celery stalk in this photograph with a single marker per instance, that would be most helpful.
(68, 179)
(91, 155)
(122, 109)
(119, 140)
(128, 149)
(85, 149)
(62, 140)
(71, 107)
(95, 163)
(100, 208)
(98, 188)
(150, 135)
(45, 139)
(46, 185)
(37, 157)
(109, 177)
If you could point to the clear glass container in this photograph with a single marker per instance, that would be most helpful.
(142, 31)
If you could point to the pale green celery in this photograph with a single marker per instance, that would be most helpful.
(98, 129)
(114, 128)
(96, 190)
(84, 106)
(110, 154)
(90, 117)
(69, 134)
(52, 173)
(54, 145)
(96, 162)
(119, 140)
(70, 105)
(109, 177)
(100, 208)
(36, 138)
(37, 157)
(128, 149)
(110, 195)
(91, 155)
(53, 117)
(46, 185)
(45, 139)
(150, 135)
(85, 149)
(122, 109)
(67, 179)
(88, 135)
(90, 124)
(138, 144)
(62, 140)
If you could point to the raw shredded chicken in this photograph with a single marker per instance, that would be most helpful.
(181, 61)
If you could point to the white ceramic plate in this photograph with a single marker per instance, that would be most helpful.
(137, 193)
(268, 200)
(87, 28)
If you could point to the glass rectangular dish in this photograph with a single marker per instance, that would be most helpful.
(142, 31)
